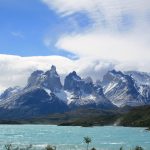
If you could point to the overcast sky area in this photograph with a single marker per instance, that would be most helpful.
(89, 36)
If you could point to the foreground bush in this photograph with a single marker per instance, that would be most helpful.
(87, 140)
(49, 147)
(11, 147)
(139, 148)
(136, 148)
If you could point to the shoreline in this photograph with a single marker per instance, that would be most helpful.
(92, 126)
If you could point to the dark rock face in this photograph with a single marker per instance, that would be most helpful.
(72, 82)
(8, 92)
(85, 93)
(35, 79)
(145, 92)
(52, 80)
(32, 103)
(141, 78)
(34, 99)
(44, 93)
(88, 85)
(98, 89)
(121, 89)
(49, 79)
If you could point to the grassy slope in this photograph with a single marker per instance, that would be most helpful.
(90, 117)
(139, 117)
(81, 117)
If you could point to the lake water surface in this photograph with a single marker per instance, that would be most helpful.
(71, 138)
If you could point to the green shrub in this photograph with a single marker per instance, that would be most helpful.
(121, 148)
(138, 148)
(11, 147)
(93, 148)
(8, 146)
(87, 140)
(49, 147)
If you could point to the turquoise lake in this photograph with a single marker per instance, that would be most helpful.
(71, 138)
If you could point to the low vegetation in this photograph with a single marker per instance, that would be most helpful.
(49, 147)
(135, 117)
(78, 117)
(11, 147)
(87, 141)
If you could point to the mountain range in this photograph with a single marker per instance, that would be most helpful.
(45, 94)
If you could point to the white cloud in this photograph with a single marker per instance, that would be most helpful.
(15, 69)
(116, 6)
(130, 47)
(109, 10)
(111, 46)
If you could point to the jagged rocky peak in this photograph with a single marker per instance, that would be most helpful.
(53, 68)
(52, 80)
(117, 76)
(141, 78)
(34, 79)
(72, 81)
(121, 89)
(52, 72)
(116, 72)
(37, 73)
(9, 92)
(49, 79)
(112, 75)
(108, 77)
(73, 75)
(87, 86)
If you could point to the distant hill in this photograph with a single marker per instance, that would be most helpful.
(137, 117)
(78, 117)
(127, 116)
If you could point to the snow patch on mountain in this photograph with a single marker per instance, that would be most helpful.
(48, 91)
(109, 87)
(141, 78)
(44, 92)
(121, 89)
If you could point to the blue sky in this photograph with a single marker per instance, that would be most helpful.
(24, 24)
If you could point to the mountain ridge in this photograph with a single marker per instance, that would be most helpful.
(45, 94)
